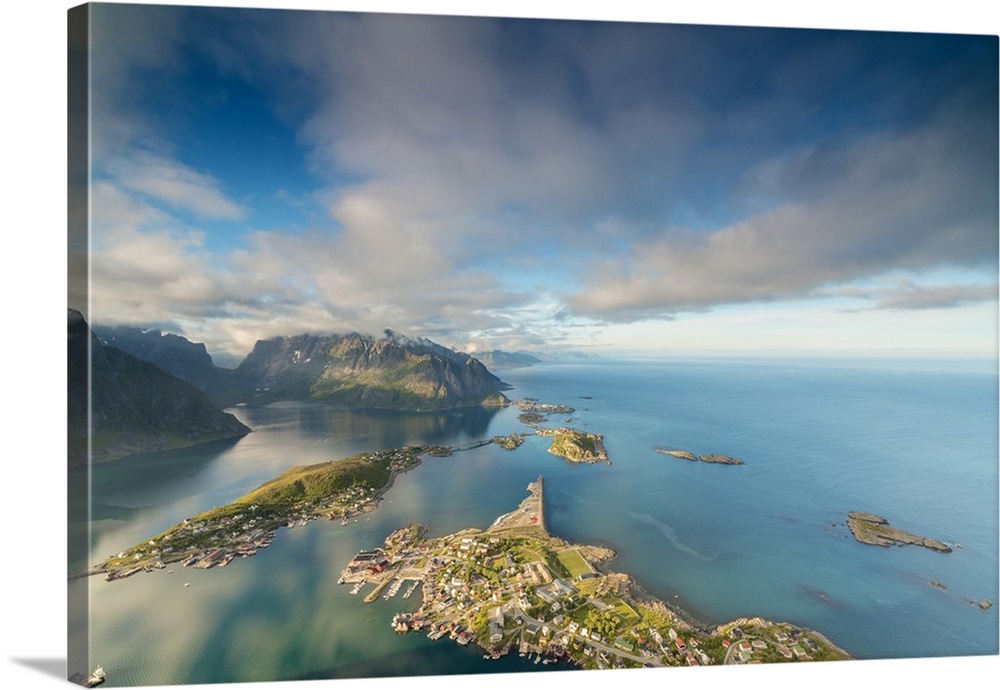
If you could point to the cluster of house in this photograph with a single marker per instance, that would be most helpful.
(788, 645)
(222, 540)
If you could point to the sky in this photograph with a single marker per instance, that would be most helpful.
(621, 188)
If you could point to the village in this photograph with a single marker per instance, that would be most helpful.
(514, 588)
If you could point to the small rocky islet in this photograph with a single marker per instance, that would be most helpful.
(875, 530)
(711, 458)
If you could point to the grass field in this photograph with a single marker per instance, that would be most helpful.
(573, 562)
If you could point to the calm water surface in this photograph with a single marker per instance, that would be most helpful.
(914, 442)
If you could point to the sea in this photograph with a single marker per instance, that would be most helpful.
(915, 441)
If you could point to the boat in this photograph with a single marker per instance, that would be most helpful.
(97, 677)
(187, 584)
(357, 587)
(393, 589)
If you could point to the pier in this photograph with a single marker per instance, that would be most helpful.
(530, 514)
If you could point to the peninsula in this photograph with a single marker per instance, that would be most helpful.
(710, 458)
(335, 490)
(875, 530)
(516, 587)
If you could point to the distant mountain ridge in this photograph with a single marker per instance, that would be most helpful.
(499, 359)
(135, 406)
(177, 355)
(353, 370)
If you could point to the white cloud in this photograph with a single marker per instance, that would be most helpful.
(907, 294)
(914, 201)
(459, 156)
(175, 184)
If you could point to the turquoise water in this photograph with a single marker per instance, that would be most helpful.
(915, 442)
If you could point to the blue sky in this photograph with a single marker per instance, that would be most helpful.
(611, 187)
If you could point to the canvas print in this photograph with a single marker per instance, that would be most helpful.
(412, 345)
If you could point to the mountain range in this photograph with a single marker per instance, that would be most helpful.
(352, 370)
(128, 405)
(151, 390)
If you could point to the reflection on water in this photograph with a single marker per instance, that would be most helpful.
(143, 495)
(379, 428)
(156, 469)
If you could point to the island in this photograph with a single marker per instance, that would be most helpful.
(533, 406)
(516, 587)
(509, 442)
(335, 490)
(710, 458)
(570, 444)
(532, 419)
(575, 445)
(534, 413)
(872, 529)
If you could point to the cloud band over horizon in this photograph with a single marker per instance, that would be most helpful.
(529, 184)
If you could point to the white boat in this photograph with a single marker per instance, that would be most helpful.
(97, 677)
